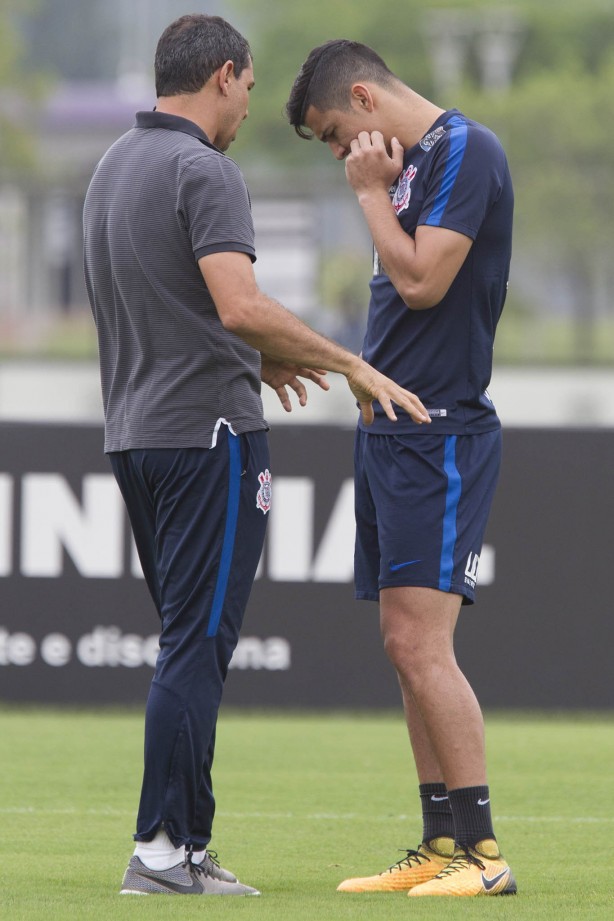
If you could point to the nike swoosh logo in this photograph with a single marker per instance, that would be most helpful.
(194, 889)
(483, 802)
(491, 883)
(438, 799)
(396, 566)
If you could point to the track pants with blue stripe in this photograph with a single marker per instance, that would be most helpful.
(199, 531)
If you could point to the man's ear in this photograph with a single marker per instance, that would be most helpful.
(224, 75)
(361, 97)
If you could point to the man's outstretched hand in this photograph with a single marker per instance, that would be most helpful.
(367, 385)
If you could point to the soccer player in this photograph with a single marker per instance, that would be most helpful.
(185, 337)
(435, 191)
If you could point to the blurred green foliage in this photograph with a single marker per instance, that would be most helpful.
(554, 118)
(15, 150)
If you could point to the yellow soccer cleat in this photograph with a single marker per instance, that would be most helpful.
(415, 868)
(473, 871)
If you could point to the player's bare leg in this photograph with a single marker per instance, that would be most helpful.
(446, 730)
(428, 768)
(443, 715)
(436, 849)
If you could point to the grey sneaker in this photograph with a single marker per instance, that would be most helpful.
(211, 865)
(184, 879)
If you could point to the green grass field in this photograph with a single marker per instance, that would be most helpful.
(303, 802)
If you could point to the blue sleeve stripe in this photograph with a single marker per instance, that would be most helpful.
(453, 494)
(458, 142)
(230, 531)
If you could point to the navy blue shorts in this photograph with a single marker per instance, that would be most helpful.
(422, 503)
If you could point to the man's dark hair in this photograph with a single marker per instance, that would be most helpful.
(325, 79)
(192, 48)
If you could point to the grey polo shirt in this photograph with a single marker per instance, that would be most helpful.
(160, 198)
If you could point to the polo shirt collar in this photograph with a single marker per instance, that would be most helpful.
(172, 123)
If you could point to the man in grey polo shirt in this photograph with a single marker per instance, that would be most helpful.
(185, 338)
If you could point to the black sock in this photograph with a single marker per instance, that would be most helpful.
(472, 819)
(437, 820)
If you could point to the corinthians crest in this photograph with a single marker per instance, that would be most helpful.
(400, 199)
(263, 497)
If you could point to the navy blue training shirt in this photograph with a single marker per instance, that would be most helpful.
(456, 177)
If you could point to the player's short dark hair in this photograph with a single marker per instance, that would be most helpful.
(192, 48)
(325, 79)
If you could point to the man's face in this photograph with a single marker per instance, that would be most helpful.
(237, 108)
(338, 128)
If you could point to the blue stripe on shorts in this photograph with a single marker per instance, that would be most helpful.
(453, 494)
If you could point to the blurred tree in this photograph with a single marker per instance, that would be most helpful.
(14, 144)
(282, 34)
(100, 39)
(556, 127)
(68, 38)
(554, 118)
(565, 35)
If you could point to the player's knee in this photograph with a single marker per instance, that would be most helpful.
(415, 659)
(402, 650)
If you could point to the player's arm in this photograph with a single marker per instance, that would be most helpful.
(267, 326)
(421, 268)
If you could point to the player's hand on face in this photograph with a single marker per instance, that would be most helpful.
(367, 385)
(369, 166)
(279, 376)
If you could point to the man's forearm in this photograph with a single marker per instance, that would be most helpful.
(275, 331)
(395, 248)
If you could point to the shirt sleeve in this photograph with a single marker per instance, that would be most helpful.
(214, 207)
(466, 179)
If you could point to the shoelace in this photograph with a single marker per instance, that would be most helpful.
(411, 857)
(196, 869)
(461, 861)
(203, 868)
(212, 855)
